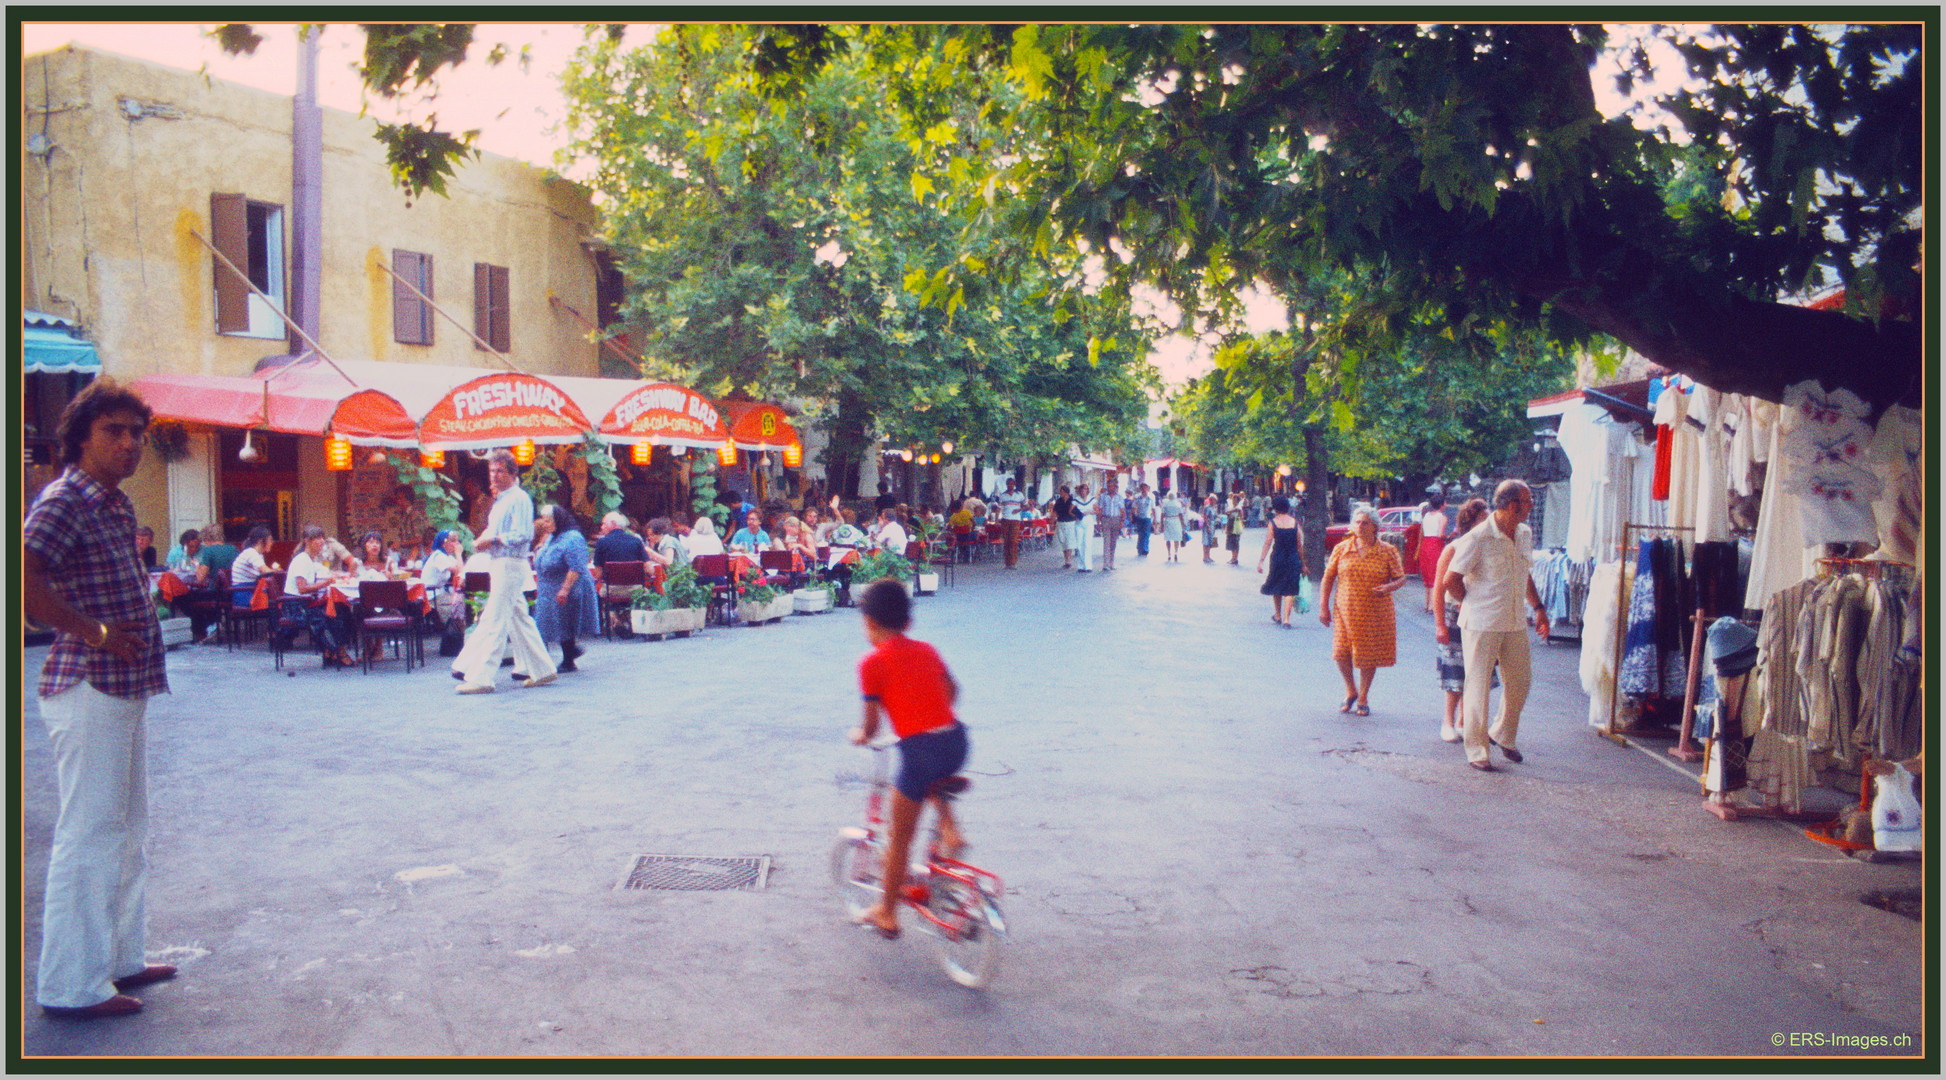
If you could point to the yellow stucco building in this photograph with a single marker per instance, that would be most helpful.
(124, 162)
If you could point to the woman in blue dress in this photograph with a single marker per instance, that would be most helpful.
(565, 606)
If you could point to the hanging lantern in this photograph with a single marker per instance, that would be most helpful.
(524, 452)
(936, 459)
(793, 456)
(765, 462)
(1283, 470)
(337, 455)
(377, 457)
(432, 459)
(905, 455)
(1300, 487)
(726, 455)
(639, 453)
(679, 451)
(946, 447)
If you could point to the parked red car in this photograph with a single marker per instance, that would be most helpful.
(1403, 520)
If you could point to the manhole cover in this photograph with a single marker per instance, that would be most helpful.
(696, 873)
(1907, 902)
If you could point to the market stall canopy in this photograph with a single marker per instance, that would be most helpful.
(756, 425)
(630, 411)
(54, 346)
(469, 408)
(306, 397)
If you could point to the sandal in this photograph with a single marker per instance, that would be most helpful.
(864, 920)
(1362, 710)
(1349, 702)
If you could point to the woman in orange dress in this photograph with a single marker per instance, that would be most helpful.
(1357, 590)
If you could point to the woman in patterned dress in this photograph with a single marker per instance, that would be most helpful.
(1364, 636)
(565, 606)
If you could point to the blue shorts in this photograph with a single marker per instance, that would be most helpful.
(929, 757)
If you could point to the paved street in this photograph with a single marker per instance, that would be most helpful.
(1202, 856)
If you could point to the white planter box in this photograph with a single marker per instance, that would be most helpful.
(678, 621)
(176, 632)
(810, 601)
(757, 614)
(927, 583)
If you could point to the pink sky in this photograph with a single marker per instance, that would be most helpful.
(516, 112)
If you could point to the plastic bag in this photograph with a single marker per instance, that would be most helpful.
(1304, 595)
(1897, 821)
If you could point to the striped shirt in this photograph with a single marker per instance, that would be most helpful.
(85, 534)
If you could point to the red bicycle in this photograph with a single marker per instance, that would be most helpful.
(958, 903)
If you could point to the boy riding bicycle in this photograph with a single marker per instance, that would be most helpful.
(906, 680)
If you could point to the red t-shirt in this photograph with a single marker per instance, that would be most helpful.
(909, 680)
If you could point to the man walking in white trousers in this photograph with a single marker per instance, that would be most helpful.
(509, 533)
(1491, 572)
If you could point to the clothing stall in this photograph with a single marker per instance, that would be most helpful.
(1749, 580)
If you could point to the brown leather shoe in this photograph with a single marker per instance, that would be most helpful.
(1483, 766)
(154, 973)
(119, 1005)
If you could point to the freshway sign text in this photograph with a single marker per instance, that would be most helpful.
(502, 395)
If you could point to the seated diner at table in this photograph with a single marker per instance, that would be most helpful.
(444, 573)
(702, 538)
(752, 538)
(306, 582)
(251, 563)
(374, 563)
(890, 535)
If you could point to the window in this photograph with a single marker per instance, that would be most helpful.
(411, 316)
(251, 236)
(491, 306)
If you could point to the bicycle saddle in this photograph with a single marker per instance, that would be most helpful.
(951, 787)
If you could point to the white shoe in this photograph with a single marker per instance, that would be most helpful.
(1448, 733)
(542, 681)
(474, 688)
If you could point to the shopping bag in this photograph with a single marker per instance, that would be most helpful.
(1897, 822)
(1304, 595)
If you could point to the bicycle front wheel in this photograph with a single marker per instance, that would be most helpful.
(855, 866)
(969, 943)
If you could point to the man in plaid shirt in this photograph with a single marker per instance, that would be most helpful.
(82, 576)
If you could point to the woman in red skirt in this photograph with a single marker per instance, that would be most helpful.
(1432, 540)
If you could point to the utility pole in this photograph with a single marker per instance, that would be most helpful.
(307, 188)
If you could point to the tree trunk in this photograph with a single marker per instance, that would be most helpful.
(847, 448)
(1317, 503)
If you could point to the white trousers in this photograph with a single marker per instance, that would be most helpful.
(1482, 650)
(1084, 539)
(94, 919)
(504, 619)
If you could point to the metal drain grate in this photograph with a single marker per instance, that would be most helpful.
(696, 873)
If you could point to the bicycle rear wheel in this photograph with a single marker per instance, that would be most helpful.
(855, 866)
(969, 944)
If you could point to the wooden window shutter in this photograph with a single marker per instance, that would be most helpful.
(411, 316)
(502, 336)
(491, 307)
(229, 226)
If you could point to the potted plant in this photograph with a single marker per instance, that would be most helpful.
(882, 564)
(817, 597)
(680, 608)
(757, 604)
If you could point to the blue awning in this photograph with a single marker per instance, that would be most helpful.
(54, 350)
